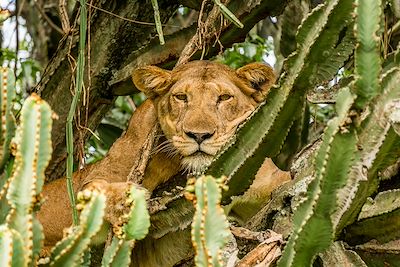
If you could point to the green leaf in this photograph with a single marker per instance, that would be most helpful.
(228, 14)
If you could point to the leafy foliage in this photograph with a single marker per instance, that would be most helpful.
(254, 49)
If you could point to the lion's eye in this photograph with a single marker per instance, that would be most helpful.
(181, 97)
(224, 97)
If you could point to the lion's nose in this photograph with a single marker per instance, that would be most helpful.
(199, 137)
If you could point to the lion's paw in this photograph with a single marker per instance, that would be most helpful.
(118, 202)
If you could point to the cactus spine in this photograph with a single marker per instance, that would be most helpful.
(136, 228)
(22, 232)
(7, 129)
(265, 132)
(70, 250)
(210, 229)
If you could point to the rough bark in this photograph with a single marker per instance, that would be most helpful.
(112, 41)
(249, 13)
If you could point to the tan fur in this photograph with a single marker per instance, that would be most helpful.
(201, 101)
(203, 98)
(268, 178)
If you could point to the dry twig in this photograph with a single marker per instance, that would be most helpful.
(62, 7)
(126, 19)
(205, 31)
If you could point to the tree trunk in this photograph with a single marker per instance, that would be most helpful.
(112, 40)
(117, 47)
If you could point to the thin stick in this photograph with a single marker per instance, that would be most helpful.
(126, 19)
(204, 32)
(157, 19)
(62, 7)
(89, 72)
(17, 38)
(78, 89)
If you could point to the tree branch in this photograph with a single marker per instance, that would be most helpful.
(249, 12)
(112, 41)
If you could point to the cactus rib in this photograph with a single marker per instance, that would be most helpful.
(261, 136)
(210, 229)
(7, 83)
(68, 252)
(367, 57)
(313, 231)
(33, 155)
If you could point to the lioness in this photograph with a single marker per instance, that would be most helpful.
(198, 106)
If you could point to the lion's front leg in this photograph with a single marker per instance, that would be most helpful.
(56, 214)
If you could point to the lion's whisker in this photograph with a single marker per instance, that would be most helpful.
(160, 147)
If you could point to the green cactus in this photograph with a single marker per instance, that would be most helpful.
(368, 62)
(136, 228)
(21, 235)
(379, 148)
(379, 219)
(265, 132)
(118, 253)
(210, 229)
(32, 156)
(313, 230)
(356, 146)
(70, 250)
(11, 248)
(75, 247)
(138, 223)
(7, 131)
(7, 84)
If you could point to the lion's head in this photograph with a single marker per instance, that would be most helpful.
(200, 104)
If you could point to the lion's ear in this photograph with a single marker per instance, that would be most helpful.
(151, 80)
(259, 77)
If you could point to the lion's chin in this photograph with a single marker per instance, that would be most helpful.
(196, 163)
